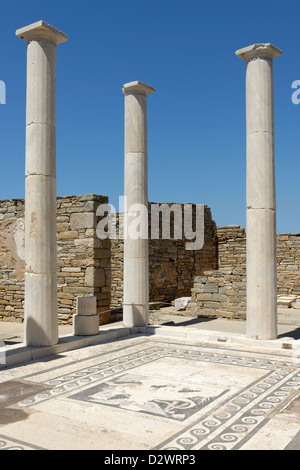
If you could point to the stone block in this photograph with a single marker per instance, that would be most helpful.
(200, 279)
(207, 312)
(85, 325)
(231, 292)
(192, 305)
(211, 304)
(181, 302)
(219, 297)
(82, 220)
(94, 277)
(211, 288)
(68, 235)
(86, 306)
(286, 301)
(206, 296)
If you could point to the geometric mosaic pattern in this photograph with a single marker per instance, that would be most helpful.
(228, 427)
(220, 399)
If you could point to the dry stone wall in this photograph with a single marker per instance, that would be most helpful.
(231, 243)
(12, 264)
(172, 267)
(288, 264)
(83, 265)
(215, 276)
(222, 292)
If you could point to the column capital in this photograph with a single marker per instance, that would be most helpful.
(41, 30)
(138, 87)
(260, 50)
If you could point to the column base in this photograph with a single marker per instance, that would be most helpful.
(41, 310)
(135, 315)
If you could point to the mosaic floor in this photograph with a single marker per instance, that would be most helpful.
(152, 393)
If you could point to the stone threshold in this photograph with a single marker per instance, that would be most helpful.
(18, 354)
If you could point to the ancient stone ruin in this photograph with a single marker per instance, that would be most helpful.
(51, 254)
(214, 277)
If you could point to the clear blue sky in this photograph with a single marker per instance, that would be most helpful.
(196, 118)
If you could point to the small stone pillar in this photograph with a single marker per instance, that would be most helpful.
(41, 316)
(261, 200)
(86, 319)
(136, 263)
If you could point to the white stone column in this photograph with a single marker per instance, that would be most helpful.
(41, 316)
(136, 263)
(261, 200)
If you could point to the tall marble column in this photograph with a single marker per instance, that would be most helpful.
(261, 200)
(41, 316)
(136, 264)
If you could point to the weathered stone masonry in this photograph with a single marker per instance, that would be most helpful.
(214, 276)
(90, 266)
(12, 265)
(171, 267)
(83, 265)
(222, 292)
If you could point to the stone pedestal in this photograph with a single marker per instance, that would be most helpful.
(136, 264)
(261, 201)
(86, 319)
(41, 318)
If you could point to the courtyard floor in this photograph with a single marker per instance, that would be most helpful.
(186, 385)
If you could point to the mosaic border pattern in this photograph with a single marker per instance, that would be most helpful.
(7, 443)
(228, 426)
(246, 412)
